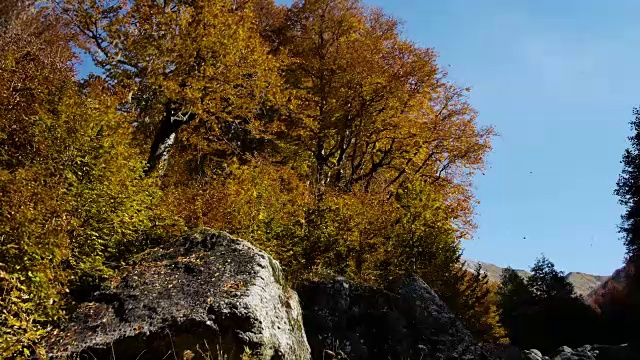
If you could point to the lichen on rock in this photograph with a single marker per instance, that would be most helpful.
(207, 295)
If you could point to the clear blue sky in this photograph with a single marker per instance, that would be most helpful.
(557, 79)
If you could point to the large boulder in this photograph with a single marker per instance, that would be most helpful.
(207, 296)
(532, 354)
(343, 320)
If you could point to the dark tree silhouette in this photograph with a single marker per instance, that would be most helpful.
(628, 192)
(543, 311)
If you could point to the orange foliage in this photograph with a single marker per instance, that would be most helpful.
(316, 131)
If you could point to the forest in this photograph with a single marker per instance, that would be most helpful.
(316, 131)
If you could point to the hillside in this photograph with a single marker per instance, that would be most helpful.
(583, 283)
(617, 279)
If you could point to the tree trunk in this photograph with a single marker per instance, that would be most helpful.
(164, 139)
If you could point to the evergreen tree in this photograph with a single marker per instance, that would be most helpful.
(546, 282)
(543, 311)
(514, 297)
(628, 191)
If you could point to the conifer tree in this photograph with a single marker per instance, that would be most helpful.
(628, 192)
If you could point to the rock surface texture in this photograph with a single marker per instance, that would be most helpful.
(208, 296)
(355, 322)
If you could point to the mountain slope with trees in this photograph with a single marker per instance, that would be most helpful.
(584, 284)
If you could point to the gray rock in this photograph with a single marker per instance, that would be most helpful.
(566, 353)
(585, 348)
(532, 354)
(407, 322)
(206, 295)
(536, 352)
(564, 349)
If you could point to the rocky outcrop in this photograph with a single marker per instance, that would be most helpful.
(587, 352)
(207, 296)
(343, 320)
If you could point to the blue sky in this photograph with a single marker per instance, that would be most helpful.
(557, 79)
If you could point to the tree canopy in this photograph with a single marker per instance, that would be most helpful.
(73, 195)
(629, 197)
(315, 131)
(542, 311)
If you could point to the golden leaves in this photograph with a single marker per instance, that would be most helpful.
(73, 180)
(203, 57)
(315, 131)
(374, 109)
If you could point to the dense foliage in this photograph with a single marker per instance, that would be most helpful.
(475, 301)
(615, 306)
(316, 131)
(73, 196)
(543, 312)
(629, 197)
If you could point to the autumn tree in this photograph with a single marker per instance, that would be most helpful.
(201, 63)
(373, 111)
(614, 305)
(315, 131)
(361, 117)
(473, 298)
(382, 149)
(367, 97)
(11, 10)
(73, 195)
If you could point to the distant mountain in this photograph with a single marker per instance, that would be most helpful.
(584, 284)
